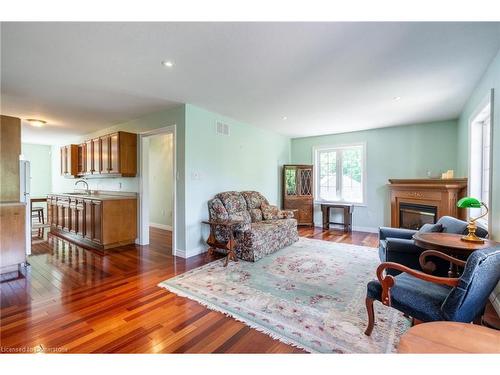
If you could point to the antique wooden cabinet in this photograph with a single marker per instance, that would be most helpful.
(297, 192)
(99, 223)
(69, 161)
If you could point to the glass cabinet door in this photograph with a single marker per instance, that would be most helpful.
(291, 181)
(305, 181)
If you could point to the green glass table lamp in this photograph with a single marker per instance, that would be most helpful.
(470, 202)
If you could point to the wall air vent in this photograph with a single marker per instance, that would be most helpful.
(221, 128)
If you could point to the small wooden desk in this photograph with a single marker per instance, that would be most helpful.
(449, 337)
(347, 208)
(450, 244)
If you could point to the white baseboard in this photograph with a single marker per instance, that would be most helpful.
(365, 229)
(193, 252)
(161, 226)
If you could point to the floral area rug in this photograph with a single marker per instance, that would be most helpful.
(310, 295)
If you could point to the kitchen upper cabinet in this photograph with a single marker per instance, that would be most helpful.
(111, 155)
(114, 150)
(105, 154)
(119, 154)
(89, 158)
(69, 161)
(81, 159)
(96, 155)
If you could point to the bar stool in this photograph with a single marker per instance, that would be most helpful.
(37, 212)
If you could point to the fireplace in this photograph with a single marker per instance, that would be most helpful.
(415, 202)
(413, 216)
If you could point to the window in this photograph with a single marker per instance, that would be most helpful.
(479, 159)
(339, 173)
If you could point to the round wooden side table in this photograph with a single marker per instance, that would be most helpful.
(451, 244)
(449, 337)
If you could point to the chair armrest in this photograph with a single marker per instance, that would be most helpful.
(385, 232)
(429, 265)
(387, 281)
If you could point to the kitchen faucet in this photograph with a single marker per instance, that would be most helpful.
(87, 191)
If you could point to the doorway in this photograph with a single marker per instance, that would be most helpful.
(157, 216)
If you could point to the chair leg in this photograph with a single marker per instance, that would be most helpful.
(371, 316)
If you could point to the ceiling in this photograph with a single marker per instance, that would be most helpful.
(323, 77)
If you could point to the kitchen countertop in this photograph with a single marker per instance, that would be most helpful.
(105, 196)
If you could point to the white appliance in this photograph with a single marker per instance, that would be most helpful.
(25, 183)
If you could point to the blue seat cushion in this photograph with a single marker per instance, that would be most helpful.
(419, 299)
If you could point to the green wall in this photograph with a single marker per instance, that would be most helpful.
(490, 80)
(172, 116)
(407, 151)
(161, 180)
(249, 159)
(41, 171)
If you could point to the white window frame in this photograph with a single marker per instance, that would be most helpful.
(477, 119)
(315, 152)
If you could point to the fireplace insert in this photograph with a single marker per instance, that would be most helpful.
(413, 216)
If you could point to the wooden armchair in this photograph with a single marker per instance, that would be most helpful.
(427, 298)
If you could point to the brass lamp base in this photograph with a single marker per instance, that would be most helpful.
(471, 236)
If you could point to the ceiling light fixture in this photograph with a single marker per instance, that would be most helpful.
(284, 118)
(36, 123)
(167, 63)
(396, 98)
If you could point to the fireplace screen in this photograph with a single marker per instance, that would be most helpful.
(413, 216)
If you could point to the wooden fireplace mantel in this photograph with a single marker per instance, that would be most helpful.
(440, 193)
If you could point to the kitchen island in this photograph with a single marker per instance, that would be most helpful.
(97, 220)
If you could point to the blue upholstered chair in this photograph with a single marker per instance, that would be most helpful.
(397, 245)
(428, 298)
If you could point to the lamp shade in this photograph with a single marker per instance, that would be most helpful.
(469, 202)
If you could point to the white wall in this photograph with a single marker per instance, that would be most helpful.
(39, 157)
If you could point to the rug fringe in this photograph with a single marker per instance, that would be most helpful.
(249, 323)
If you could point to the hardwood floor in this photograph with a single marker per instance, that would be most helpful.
(73, 300)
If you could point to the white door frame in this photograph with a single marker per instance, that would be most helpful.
(143, 222)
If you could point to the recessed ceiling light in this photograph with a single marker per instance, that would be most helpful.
(284, 118)
(396, 98)
(36, 123)
(167, 63)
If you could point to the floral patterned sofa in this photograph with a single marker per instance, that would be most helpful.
(265, 228)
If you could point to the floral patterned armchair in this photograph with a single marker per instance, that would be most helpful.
(264, 230)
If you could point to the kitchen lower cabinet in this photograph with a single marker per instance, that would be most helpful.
(95, 223)
(13, 238)
(80, 217)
